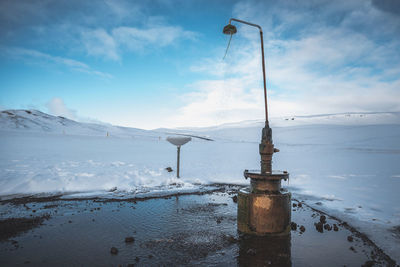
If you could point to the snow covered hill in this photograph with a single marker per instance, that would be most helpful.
(323, 124)
(36, 121)
(244, 131)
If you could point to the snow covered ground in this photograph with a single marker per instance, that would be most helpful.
(346, 164)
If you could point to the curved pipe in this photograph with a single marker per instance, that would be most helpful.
(263, 63)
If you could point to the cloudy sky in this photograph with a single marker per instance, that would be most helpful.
(159, 63)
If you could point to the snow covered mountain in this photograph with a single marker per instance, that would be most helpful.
(37, 121)
(323, 124)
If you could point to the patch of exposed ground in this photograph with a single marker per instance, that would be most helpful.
(12, 227)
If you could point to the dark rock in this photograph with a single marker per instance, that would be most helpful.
(322, 219)
(335, 228)
(294, 205)
(218, 221)
(293, 226)
(114, 251)
(137, 259)
(230, 239)
(368, 264)
(320, 227)
(251, 251)
(150, 256)
(300, 205)
(352, 249)
(350, 238)
(302, 229)
(235, 199)
(69, 221)
(327, 227)
(169, 169)
(129, 239)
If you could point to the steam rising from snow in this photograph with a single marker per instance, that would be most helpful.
(57, 107)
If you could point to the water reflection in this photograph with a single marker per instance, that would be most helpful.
(264, 251)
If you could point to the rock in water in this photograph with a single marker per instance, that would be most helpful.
(320, 227)
(114, 251)
(293, 225)
(235, 199)
(169, 169)
(129, 239)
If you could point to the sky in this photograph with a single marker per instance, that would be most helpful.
(159, 63)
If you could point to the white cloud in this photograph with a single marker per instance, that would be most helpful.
(219, 101)
(111, 45)
(39, 57)
(319, 68)
(157, 36)
(57, 107)
(99, 43)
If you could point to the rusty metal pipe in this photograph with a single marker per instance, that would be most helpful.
(263, 63)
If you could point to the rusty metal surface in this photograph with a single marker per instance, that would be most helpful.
(229, 29)
(265, 186)
(264, 214)
(258, 175)
(264, 208)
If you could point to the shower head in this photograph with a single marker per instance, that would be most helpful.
(229, 29)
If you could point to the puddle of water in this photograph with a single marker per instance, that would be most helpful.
(179, 230)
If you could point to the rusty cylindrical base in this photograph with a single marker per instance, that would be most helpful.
(264, 213)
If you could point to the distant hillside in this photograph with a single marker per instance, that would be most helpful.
(22, 120)
(36, 121)
(250, 130)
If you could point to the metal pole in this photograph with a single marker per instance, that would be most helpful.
(265, 83)
(263, 62)
(177, 161)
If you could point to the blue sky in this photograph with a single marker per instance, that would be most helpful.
(152, 64)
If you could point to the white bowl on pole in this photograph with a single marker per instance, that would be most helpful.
(178, 141)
